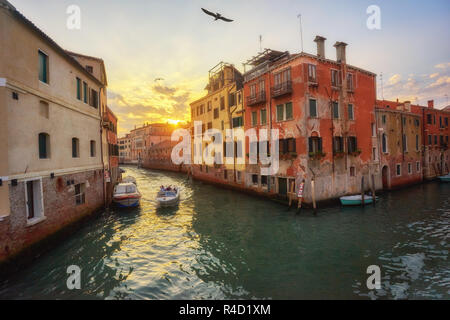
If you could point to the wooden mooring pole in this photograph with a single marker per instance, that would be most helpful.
(313, 195)
(374, 197)
(300, 196)
(362, 192)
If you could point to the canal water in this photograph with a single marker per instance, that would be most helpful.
(220, 244)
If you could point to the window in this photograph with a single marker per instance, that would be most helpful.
(435, 139)
(285, 112)
(79, 89)
(374, 154)
(280, 112)
(417, 122)
(430, 139)
(350, 82)
(254, 178)
(312, 73)
(75, 148)
(44, 146)
(409, 168)
(34, 201)
(237, 122)
(263, 116)
(80, 197)
(399, 169)
(429, 120)
(335, 78)
(418, 166)
(94, 98)
(44, 109)
(417, 142)
(313, 108)
(222, 103)
(209, 106)
(254, 118)
(335, 110)
(93, 148)
(262, 86)
(315, 144)
(216, 113)
(338, 145)
(383, 119)
(253, 90)
(350, 112)
(209, 125)
(85, 92)
(264, 180)
(446, 122)
(352, 145)
(352, 172)
(90, 69)
(238, 147)
(374, 130)
(43, 67)
(231, 99)
(289, 114)
(291, 147)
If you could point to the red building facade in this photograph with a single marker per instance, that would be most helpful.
(324, 111)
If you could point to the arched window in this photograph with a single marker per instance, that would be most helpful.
(44, 146)
(75, 148)
(384, 143)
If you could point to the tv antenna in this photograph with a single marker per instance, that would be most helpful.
(299, 16)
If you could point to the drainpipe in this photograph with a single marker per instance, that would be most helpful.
(101, 154)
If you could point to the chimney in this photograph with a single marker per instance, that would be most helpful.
(320, 46)
(431, 104)
(340, 51)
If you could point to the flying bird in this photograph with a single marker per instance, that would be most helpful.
(217, 16)
(159, 79)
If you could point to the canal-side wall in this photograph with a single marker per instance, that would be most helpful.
(17, 232)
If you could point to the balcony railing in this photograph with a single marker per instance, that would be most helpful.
(259, 97)
(282, 89)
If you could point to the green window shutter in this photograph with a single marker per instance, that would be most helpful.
(85, 92)
(254, 118)
(289, 112)
(335, 110)
(350, 112)
(312, 108)
(43, 67)
(42, 146)
(280, 113)
(78, 89)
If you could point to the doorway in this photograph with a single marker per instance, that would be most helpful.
(385, 176)
(282, 186)
(34, 201)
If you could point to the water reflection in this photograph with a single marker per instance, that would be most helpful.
(220, 244)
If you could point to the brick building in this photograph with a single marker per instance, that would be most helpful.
(324, 110)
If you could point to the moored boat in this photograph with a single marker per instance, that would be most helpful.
(168, 196)
(356, 200)
(126, 195)
(445, 178)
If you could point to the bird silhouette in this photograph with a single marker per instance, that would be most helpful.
(217, 16)
(159, 79)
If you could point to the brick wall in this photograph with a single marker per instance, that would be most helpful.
(60, 210)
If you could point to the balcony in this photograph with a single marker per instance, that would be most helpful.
(281, 89)
(259, 97)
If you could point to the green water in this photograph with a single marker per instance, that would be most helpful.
(220, 244)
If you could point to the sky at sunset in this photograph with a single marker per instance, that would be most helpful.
(174, 40)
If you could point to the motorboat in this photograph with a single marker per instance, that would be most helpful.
(126, 195)
(445, 178)
(356, 200)
(168, 196)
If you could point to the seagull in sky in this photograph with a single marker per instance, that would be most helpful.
(159, 79)
(217, 16)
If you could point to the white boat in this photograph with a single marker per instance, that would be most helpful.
(356, 200)
(126, 195)
(129, 179)
(445, 178)
(168, 197)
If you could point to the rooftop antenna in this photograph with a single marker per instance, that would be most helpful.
(299, 16)
(260, 43)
